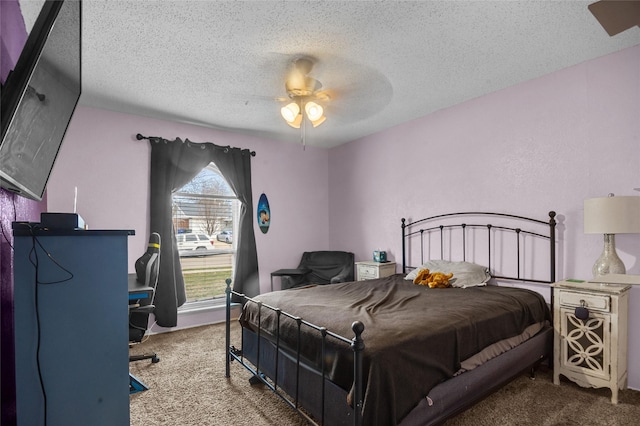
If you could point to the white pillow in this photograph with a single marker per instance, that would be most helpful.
(465, 274)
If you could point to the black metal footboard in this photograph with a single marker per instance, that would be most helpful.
(271, 363)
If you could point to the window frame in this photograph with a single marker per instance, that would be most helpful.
(214, 302)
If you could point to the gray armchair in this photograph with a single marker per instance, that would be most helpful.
(322, 267)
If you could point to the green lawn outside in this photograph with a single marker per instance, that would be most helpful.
(206, 284)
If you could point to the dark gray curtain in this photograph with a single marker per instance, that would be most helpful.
(235, 166)
(173, 164)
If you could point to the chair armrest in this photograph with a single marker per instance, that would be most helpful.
(144, 309)
(290, 272)
(340, 278)
(290, 278)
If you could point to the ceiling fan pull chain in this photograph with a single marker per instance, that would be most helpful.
(304, 134)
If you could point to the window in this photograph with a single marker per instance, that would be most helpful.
(205, 213)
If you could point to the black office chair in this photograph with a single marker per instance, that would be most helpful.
(141, 296)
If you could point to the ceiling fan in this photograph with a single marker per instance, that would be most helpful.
(304, 95)
(616, 16)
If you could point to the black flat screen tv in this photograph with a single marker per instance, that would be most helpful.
(39, 98)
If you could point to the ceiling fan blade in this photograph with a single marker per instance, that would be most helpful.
(616, 16)
(322, 95)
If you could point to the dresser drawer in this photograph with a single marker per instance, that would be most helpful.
(591, 301)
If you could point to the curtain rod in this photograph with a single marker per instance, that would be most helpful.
(140, 137)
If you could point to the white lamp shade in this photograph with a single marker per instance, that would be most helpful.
(612, 215)
(290, 112)
(314, 111)
(319, 121)
(296, 122)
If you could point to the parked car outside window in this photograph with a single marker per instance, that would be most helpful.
(226, 236)
(192, 241)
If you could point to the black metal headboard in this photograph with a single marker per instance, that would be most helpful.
(519, 226)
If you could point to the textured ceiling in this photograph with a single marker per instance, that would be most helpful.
(223, 64)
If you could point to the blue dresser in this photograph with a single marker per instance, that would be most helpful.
(71, 329)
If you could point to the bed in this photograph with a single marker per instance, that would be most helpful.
(388, 351)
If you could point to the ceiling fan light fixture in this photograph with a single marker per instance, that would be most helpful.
(297, 122)
(290, 113)
(303, 91)
(313, 110)
(319, 121)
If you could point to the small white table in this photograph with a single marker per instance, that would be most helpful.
(370, 270)
(591, 352)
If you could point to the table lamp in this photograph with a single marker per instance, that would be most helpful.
(609, 216)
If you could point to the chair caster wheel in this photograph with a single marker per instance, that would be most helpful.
(155, 360)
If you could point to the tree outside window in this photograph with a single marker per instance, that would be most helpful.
(205, 213)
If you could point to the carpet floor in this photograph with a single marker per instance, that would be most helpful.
(187, 387)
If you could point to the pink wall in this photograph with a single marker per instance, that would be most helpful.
(543, 145)
(101, 157)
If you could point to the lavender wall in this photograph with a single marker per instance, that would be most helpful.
(110, 168)
(13, 36)
(544, 145)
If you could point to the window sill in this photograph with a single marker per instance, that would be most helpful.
(196, 314)
(203, 306)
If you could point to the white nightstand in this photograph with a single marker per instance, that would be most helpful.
(591, 352)
(371, 270)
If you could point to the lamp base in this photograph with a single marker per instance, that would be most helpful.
(608, 262)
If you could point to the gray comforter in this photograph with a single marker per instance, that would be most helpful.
(415, 337)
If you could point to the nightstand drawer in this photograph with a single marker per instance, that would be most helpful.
(367, 272)
(372, 270)
(591, 301)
